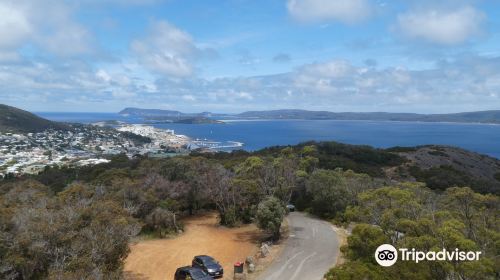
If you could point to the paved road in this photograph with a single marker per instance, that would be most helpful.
(309, 252)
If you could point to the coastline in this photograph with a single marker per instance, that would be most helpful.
(371, 121)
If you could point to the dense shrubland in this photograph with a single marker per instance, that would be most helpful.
(68, 223)
(410, 215)
(80, 233)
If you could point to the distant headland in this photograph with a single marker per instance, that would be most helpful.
(487, 117)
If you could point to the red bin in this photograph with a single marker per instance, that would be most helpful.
(238, 267)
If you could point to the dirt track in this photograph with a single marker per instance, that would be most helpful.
(158, 259)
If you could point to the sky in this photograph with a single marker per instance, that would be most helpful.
(232, 56)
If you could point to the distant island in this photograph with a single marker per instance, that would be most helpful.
(169, 116)
(487, 117)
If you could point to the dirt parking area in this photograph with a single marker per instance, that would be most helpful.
(158, 259)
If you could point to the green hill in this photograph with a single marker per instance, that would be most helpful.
(15, 120)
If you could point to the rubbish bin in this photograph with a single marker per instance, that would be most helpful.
(238, 267)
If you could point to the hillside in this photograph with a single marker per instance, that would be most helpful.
(468, 117)
(492, 116)
(110, 203)
(15, 120)
(441, 167)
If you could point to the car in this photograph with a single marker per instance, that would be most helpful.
(193, 273)
(209, 265)
(290, 207)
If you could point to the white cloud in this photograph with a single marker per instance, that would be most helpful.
(162, 66)
(189, 97)
(14, 26)
(332, 69)
(445, 27)
(166, 50)
(48, 24)
(462, 84)
(245, 95)
(349, 12)
(103, 75)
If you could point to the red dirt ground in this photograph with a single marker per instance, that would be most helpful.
(158, 259)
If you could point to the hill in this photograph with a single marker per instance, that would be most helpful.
(15, 120)
(492, 116)
(441, 167)
(170, 116)
(468, 117)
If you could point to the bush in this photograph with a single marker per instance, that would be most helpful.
(400, 149)
(162, 222)
(441, 177)
(270, 214)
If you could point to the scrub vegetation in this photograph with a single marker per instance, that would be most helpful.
(76, 223)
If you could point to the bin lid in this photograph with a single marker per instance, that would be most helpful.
(238, 263)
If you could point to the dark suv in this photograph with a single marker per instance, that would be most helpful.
(182, 273)
(209, 265)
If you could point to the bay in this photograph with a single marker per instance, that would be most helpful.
(258, 134)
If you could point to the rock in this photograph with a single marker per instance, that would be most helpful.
(180, 231)
(250, 260)
(251, 268)
(264, 250)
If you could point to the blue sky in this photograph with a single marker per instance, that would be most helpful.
(237, 55)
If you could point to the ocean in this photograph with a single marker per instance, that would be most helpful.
(258, 134)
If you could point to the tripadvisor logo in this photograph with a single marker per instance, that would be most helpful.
(387, 255)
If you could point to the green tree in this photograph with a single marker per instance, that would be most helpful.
(270, 214)
(333, 190)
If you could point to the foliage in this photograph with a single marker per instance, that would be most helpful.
(270, 214)
(332, 155)
(400, 149)
(331, 191)
(445, 176)
(62, 222)
(440, 177)
(412, 216)
(77, 234)
(161, 221)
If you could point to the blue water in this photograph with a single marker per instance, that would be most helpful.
(481, 138)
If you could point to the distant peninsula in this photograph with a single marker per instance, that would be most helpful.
(487, 117)
(170, 116)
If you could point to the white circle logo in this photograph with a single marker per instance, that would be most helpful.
(386, 255)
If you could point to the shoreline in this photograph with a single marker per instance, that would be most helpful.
(385, 121)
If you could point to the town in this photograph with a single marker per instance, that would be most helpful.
(29, 153)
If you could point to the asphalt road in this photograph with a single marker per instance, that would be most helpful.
(310, 251)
